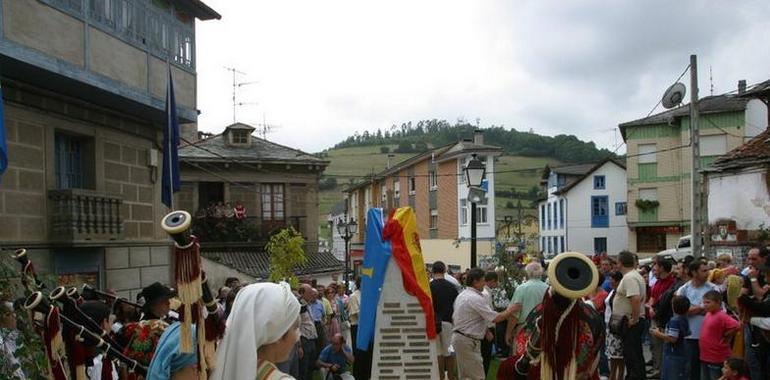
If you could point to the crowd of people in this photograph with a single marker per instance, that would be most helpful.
(700, 320)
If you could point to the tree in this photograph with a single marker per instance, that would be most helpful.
(287, 252)
(509, 204)
(384, 149)
(421, 146)
(404, 147)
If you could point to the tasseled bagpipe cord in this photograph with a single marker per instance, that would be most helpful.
(558, 339)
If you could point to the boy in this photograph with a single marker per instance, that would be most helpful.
(677, 328)
(716, 332)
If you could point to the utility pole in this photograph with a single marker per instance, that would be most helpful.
(697, 202)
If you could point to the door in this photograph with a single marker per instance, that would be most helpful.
(210, 193)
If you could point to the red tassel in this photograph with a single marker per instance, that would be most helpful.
(188, 280)
(106, 368)
(54, 345)
(558, 353)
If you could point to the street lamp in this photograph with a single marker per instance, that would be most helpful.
(347, 228)
(474, 175)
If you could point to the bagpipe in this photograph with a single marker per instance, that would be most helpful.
(89, 292)
(194, 292)
(552, 328)
(88, 334)
(28, 274)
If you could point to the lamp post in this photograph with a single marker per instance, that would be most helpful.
(474, 175)
(347, 228)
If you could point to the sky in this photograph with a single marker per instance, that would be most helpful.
(318, 71)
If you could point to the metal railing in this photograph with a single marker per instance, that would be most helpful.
(78, 214)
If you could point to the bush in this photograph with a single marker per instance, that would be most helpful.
(384, 149)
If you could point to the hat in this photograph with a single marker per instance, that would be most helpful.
(156, 292)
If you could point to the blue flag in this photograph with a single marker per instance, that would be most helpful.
(3, 146)
(376, 257)
(171, 182)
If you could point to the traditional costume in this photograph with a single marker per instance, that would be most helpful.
(167, 359)
(262, 313)
(562, 337)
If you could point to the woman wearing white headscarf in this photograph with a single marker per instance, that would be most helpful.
(262, 329)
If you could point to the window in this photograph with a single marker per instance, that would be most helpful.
(561, 212)
(650, 194)
(598, 182)
(412, 185)
(600, 245)
(397, 189)
(542, 217)
(463, 212)
(555, 216)
(460, 172)
(384, 194)
(548, 217)
(713, 145)
(542, 243)
(239, 137)
(433, 180)
(550, 246)
(620, 208)
(563, 247)
(74, 161)
(433, 219)
(481, 214)
(272, 201)
(599, 212)
(647, 153)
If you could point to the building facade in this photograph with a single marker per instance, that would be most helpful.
(84, 84)
(433, 184)
(585, 209)
(660, 159)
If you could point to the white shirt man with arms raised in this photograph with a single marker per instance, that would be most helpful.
(472, 314)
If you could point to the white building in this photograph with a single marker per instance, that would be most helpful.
(585, 210)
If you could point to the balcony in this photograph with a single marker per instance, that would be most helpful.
(246, 230)
(84, 215)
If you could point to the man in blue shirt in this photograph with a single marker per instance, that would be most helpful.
(335, 359)
(317, 312)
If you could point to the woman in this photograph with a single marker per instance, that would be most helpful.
(262, 330)
(614, 342)
(333, 326)
(9, 334)
(168, 363)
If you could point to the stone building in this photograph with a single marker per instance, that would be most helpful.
(84, 84)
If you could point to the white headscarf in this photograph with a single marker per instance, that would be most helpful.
(262, 313)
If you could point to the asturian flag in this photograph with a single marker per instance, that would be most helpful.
(401, 231)
(171, 182)
(376, 258)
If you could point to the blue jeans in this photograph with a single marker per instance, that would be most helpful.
(674, 367)
(693, 359)
(755, 369)
(710, 371)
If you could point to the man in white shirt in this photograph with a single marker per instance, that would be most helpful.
(628, 302)
(472, 314)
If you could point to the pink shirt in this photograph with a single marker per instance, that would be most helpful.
(712, 347)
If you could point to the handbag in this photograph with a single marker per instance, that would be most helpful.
(618, 324)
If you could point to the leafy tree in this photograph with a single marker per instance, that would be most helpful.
(287, 252)
(421, 146)
(404, 147)
(327, 183)
(384, 149)
(509, 204)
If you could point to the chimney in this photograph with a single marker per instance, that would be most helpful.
(478, 137)
(741, 86)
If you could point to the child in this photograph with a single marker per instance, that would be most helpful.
(674, 356)
(715, 334)
(734, 369)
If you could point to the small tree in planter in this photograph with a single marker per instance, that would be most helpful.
(287, 252)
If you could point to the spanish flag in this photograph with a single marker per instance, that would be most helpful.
(401, 230)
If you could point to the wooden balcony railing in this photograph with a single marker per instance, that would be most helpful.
(78, 214)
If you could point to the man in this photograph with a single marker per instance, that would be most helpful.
(308, 334)
(500, 302)
(606, 270)
(317, 312)
(628, 303)
(335, 358)
(525, 298)
(444, 294)
(486, 344)
(665, 280)
(754, 288)
(362, 369)
(232, 282)
(472, 314)
(694, 290)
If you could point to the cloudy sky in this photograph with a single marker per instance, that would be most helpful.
(325, 69)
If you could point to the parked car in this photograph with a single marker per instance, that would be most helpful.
(682, 250)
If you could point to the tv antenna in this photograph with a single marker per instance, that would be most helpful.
(236, 86)
(264, 128)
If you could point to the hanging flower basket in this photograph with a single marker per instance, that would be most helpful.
(646, 204)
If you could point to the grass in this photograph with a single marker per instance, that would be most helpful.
(360, 161)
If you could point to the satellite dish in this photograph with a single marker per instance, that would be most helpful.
(674, 95)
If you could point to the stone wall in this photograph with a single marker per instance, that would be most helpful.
(129, 269)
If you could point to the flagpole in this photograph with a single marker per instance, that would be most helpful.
(169, 141)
